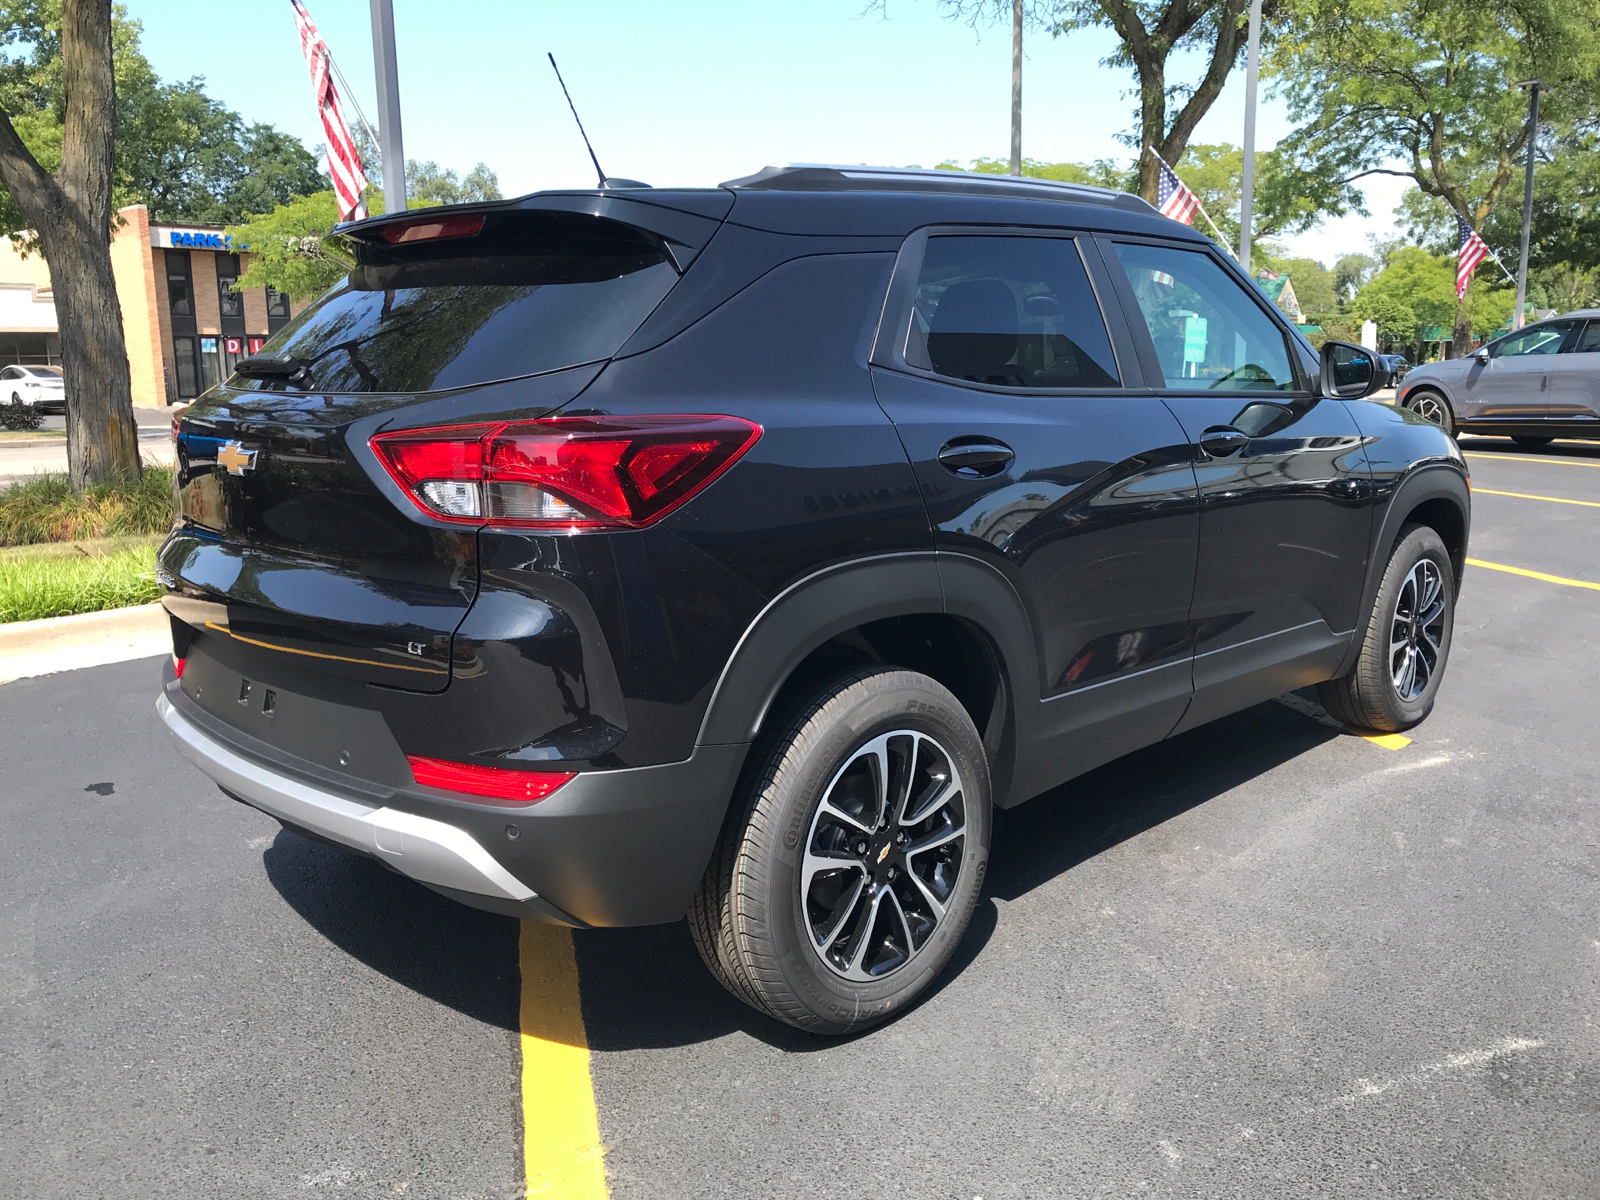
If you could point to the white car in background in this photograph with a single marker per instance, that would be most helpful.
(37, 387)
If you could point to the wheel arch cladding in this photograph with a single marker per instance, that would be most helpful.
(1434, 494)
(888, 610)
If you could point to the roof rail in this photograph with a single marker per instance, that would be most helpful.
(825, 177)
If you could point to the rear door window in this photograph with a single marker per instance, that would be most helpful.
(1209, 333)
(1589, 342)
(1009, 312)
(530, 293)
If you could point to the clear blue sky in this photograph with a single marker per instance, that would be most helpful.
(692, 91)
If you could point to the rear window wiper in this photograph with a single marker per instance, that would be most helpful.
(280, 366)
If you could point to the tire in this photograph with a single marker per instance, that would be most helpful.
(1532, 443)
(1377, 693)
(804, 959)
(1432, 406)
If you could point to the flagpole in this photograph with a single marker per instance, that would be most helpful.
(1220, 239)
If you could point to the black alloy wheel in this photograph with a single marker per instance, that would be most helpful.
(1406, 642)
(853, 855)
(1431, 406)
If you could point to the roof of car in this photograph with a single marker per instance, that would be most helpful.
(827, 177)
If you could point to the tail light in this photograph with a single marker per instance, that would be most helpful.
(491, 783)
(563, 472)
(428, 228)
(178, 665)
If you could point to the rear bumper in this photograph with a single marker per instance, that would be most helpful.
(625, 847)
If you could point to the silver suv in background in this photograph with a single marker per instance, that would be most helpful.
(1533, 386)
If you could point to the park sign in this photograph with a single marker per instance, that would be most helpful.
(180, 237)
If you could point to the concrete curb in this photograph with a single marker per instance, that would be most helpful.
(30, 648)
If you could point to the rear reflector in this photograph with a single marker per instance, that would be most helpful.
(563, 472)
(177, 666)
(428, 228)
(491, 783)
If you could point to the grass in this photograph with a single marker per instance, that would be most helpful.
(55, 581)
(44, 509)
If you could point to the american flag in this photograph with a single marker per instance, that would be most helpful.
(1473, 248)
(344, 164)
(1173, 198)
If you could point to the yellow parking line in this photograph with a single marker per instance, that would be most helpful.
(1526, 458)
(1577, 583)
(1480, 491)
(1389, 741)
(561, 1148)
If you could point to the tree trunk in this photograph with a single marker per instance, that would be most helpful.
(102, 437)
(1461, 335)
(1152, 125)
(71, 210)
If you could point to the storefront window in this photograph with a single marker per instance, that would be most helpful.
(183, 358)
(277, 310)
(180, 294)
(231, 302)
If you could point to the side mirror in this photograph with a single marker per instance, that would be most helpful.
(1482, 355)
(1350, 372)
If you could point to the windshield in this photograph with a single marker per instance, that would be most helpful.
(525, 296)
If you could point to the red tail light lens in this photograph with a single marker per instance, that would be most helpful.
(490, 783)
(563, 472)
(428, 228)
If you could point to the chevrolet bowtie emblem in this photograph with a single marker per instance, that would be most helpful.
(883, 854)
(236, 458)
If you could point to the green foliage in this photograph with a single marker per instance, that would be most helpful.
(177, 150)
(290, 247)
(45, 509)
(1313, 282)
(1103, 172)
(1565, 287)
(1350, 273)
(1427, 83)
(35, 586)
(1418, 290)
(17, 416)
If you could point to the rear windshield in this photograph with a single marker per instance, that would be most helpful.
(530, 293)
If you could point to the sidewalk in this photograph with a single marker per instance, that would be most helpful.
(29, 648)
(22, 459)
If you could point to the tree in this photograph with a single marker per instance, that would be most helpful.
(290, 248)
(1313, 282)
(1103, 172)
(70, 208)
(1350, 273)
(1424, 285)
(1428, 84)
(1565, 287)
(1151, 31)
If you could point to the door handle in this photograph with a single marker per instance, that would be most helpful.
(975, 457)
(1222, 440)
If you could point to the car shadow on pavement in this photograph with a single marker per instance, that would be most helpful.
(452, 954)
(647, 988)
(1563, 448)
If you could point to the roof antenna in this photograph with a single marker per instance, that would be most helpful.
(576, 118)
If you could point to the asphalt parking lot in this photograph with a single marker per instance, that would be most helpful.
(1264, 959)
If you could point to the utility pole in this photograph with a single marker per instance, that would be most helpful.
(1534, 87)
(388, 78)
(1016, 87)
(1247, 194)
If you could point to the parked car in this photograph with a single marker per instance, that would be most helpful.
(1533, 386)
(611, 557)
(37, 387)
(1396, 365)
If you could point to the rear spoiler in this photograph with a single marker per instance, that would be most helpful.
(679, 222)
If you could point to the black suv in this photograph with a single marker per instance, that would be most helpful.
(605, 557)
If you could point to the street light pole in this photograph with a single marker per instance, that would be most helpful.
(1016, 87)
(1519, 317)
(388, 79)
(1247, 194)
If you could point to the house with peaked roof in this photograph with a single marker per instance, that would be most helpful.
(1280, 290)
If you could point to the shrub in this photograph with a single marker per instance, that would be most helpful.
(16, 415)
(58, 584)
(45, 509)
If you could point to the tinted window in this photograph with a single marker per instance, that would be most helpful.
(178, 296)
(1208, 331)
(10, 373)
(1536, 339)
(1009, 311)
(230, 301)
(1589, 343)
(462, 311)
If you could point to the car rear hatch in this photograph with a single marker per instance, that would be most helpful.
(291, 542)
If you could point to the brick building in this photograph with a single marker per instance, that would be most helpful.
(184, 325)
